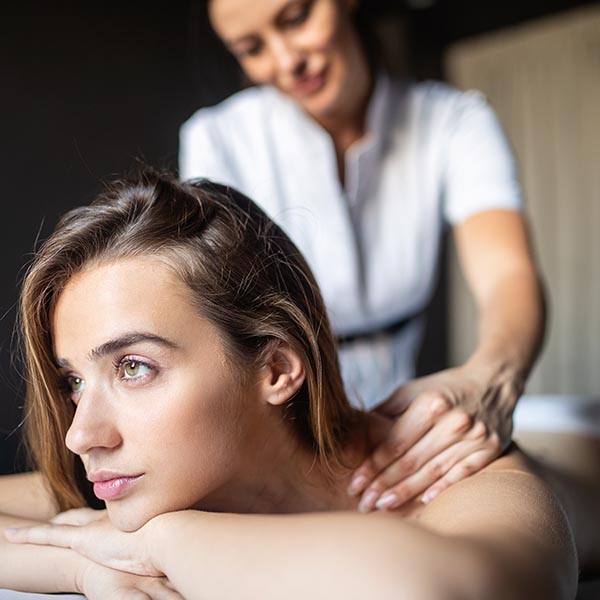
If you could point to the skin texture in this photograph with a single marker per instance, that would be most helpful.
(452, 423)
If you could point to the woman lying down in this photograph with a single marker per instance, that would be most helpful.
(176, 340)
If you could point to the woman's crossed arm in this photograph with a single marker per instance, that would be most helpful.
(499, 534)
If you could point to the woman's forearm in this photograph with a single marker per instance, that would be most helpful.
(42, 569)
(338, 555)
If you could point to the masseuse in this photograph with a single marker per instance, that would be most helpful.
(362, 171)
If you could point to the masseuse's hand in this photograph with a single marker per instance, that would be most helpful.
(90, 533)
(448, 426)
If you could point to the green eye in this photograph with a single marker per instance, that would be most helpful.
(76, 384)
(134, 368)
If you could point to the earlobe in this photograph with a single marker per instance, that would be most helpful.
(283, 375)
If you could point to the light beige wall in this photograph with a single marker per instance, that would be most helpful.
(543, 79)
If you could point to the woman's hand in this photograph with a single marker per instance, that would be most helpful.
(90, 533)
(99, 583)
(448, 425)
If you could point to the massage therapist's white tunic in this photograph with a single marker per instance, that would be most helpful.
(432, 155)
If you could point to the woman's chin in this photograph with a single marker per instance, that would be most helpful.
(127, 519)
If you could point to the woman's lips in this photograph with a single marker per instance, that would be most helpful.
(115, 487)
(306, 86)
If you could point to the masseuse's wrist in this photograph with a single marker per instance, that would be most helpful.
(504, 376)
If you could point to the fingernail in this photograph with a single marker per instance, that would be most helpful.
(429, 496)
(367, 503)
(9, 531)
(387, 501)
(356, 485)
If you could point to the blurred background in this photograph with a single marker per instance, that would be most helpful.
(88, 87)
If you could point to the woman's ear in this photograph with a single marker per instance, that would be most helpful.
(282, 376)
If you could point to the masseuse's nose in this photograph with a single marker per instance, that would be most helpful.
(289, 60)
(93, 425)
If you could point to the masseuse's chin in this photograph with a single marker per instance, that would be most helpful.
(320, 107)
(324, 104)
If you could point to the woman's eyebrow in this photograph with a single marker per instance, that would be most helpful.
(119, 343)
(129, 339)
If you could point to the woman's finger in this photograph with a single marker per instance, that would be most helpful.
(78, 516)
(43, 535)
(451, 428)
(411, 426)
(133, 594)
(159, 588)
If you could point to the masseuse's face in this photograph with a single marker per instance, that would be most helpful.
(160, 422)
(308, 49)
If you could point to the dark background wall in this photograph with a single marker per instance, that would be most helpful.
(86, 87)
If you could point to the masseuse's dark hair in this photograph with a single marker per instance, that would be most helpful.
(245, 276)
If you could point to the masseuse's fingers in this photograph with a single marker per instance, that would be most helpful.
(394, 479)
(473, 463)
(424, 482)
(411, 426)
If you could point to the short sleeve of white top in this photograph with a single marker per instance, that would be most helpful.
(432, 154)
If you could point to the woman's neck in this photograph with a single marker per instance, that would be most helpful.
(284, 476)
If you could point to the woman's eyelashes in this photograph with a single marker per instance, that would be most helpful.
(131, 369)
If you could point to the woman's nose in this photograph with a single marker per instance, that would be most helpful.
(92, 427)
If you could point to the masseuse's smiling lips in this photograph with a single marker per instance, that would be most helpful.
(307, 85)
(110, 485)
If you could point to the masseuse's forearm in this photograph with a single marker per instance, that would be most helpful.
(337, 555)
(497, 260)
(510, 329)
(42, 569)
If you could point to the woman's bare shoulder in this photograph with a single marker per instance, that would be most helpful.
(507, 488)
(509, 510)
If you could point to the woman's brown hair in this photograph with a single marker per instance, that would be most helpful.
(246, 277)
